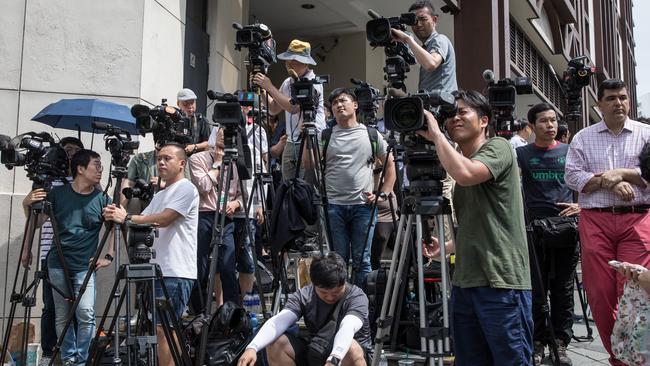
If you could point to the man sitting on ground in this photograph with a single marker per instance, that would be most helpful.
(349, 344)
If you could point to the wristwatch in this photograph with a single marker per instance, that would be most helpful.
(334, 360)
(127, 219)
(108, 257)
(216, 166)
(383, 195)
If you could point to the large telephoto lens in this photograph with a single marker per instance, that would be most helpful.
(404, 114)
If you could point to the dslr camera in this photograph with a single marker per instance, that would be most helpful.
(142, 190)
(44, 160)
(502, 97)
(168, 124)
(260, 43)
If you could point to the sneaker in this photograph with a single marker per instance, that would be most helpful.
(561, 352)
(45, 361)
(538, 354)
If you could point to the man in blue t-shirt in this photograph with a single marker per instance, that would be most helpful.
(77, 210)
(547, 195)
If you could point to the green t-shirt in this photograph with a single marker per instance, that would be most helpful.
(79, 220)
(144, 166)
(491, 247)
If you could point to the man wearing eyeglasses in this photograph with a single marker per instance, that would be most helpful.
(434, 51)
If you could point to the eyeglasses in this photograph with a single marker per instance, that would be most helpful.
(98, 166)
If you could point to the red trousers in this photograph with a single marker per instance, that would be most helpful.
(603, 237)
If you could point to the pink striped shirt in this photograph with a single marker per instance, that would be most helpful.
(206, 180)
(596, 149)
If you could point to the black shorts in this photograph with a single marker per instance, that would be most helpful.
(299, 345)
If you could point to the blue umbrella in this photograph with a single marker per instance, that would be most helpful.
(79, 114)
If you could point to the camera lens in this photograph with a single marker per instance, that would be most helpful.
(407, 115)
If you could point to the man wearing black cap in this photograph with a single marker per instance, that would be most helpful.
(298, 58)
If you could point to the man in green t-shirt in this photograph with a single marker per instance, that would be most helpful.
(77, 208)
(491, 294)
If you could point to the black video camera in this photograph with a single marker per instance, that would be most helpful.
(43, 158)
(260, 43)
(118, 143)
(502, 97)
(378, 29)
(142, 190)
(305, 95)
(140, 243)
(398, 55)
(407, 114)
(576, 76)
(168, 124)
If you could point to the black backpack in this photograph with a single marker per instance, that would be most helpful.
(373, 136)
(229, 333)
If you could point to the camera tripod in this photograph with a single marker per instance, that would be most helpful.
(434, 341)
(223, 188)
(26, 295)
(141, 347)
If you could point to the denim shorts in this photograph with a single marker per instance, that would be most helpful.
(179, 290)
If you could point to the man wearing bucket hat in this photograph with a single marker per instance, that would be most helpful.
(297, 60)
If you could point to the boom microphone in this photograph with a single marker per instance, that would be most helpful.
(5, 142)
(237, 26)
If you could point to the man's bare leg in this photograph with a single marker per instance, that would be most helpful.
(280, 352)
(355, 356)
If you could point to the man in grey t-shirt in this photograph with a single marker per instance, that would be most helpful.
(348, 172)
(435, 54)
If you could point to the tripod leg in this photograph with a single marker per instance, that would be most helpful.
(444, 274)
(383, 323)
(427, 347)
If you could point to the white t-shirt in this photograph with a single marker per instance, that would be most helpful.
(175, 244)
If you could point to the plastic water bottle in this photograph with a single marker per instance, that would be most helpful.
(383, 361)
(254, 322)
(256, 303)
(247, 302)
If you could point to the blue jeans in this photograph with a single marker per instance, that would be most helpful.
(349, 225)
(492, 326)
(225, 266)
(48, 320)
(179, 290)
(74, 348)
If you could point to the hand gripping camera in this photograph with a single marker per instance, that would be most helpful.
(168, 124)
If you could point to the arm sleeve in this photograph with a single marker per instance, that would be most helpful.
(575, 175)
(320, 112)
(440, 46)
(343, 338)
(497, 155)
(273, 328)
(203, 179)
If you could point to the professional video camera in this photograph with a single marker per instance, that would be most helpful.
(142, 190)
(260, 43)
(44, 160)
(140, 243)
(168, 124)
(398, 55)
(305, 95)
(118, 143)
(407, 114)
(228, 114)
(502, 95)
(576, 76)
(368, 98)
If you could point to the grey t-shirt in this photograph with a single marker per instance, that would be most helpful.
(443, 77)
(305, 303)
(348, 167)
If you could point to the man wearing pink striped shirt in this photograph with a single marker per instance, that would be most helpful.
(603, 166)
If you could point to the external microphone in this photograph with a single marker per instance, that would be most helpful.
(5, 142)
(212, 95)
(488, 75)
(373, 14)
(102, 126)
(237, 26)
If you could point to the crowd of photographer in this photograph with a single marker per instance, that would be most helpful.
(205, 187)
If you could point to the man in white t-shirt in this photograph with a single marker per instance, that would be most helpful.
(175, 211)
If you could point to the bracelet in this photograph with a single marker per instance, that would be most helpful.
(108, 257)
